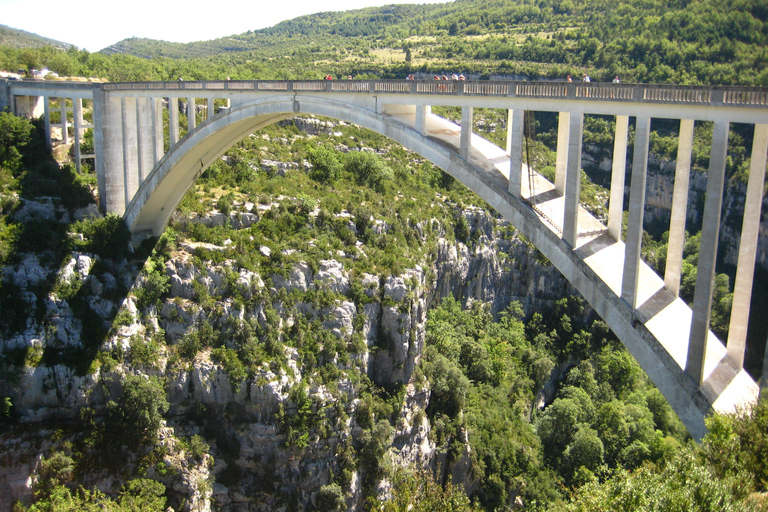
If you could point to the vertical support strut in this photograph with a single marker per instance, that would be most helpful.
(515, 150)
(705, 273)
(173, 121)
(422, 111)
(191, 117)
(563, 125)
(130, 148)
(631, 274)
(465, 146)
(679, 208)
(157, 129)
(745, 270)
(618, 171)
(573, 180)
(113, 163)
(77, 115)
(47, 118)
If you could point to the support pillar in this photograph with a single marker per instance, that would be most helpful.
(64, 129)
(211, 108)
(173, 121)
(679, 208)
(515, 126)
(631, 273)
(144, 137)
(745, 270)
(157, 130)
(573, 179)
(420, 123)
(465, 146)
(191, 117)
(47, 118)
(77, 114)
(618, 172)
(705, 273)
(563, 124)
(112, 167)
(130, 148)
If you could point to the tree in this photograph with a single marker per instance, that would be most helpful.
(325, 166)
(134, 418)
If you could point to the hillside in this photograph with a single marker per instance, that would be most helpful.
(15, 38)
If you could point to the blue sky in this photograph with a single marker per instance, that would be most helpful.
(96, 24)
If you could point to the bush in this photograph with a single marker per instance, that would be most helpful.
(325, 167)
(134, 418)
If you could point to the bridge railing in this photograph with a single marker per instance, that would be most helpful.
(595, 91)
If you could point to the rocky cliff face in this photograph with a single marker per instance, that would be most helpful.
(244, 420)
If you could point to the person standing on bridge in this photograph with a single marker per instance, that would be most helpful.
(616, 80)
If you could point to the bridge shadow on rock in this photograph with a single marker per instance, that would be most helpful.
(63, 265)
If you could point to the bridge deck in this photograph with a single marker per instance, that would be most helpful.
(667, 317)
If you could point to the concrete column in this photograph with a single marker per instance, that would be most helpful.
(515, 127)
(679, 208)
(47, 118)
(705, 273)
(573, 179)
(745, 270)
(211, 108)
(465, 146)
(561, 164)
(144, 137)
(112, 140)
(422, 111)
(130, 148)
(631, 274)
(99, 108)
(173, 120)
(64, 131)
(618, 171)
(191, 117)
(77, 113)
(5, 96)
(157, 129)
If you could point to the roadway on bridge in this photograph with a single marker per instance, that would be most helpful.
(667, 317)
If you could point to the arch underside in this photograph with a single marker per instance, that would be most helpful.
(591, 266)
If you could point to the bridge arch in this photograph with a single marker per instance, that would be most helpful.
(166, 185)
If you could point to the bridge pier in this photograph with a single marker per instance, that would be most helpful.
(618, 172)
(745, 269)
(705, 273)
(631, 273)
(515, 126)
(673, 271)
(573, 178)
(466, 132)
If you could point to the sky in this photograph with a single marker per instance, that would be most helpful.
(96, 24)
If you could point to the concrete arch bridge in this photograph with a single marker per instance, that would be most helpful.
(697, 373)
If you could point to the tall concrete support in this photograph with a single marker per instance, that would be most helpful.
(77, 115)
(99, 115)
(64, 121)
(561, 163)
(465, 145)
(173, 121)
(211, 109)
(47, 120)
(515, 150)
(631, 272)
(422, 111)
(745, 270)
(113, 158)
(158, 148)
(573, 179)
(130, 147)
(679, 208)
(191, 117)
(705, 273)
(618, 171)
(144, 137)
